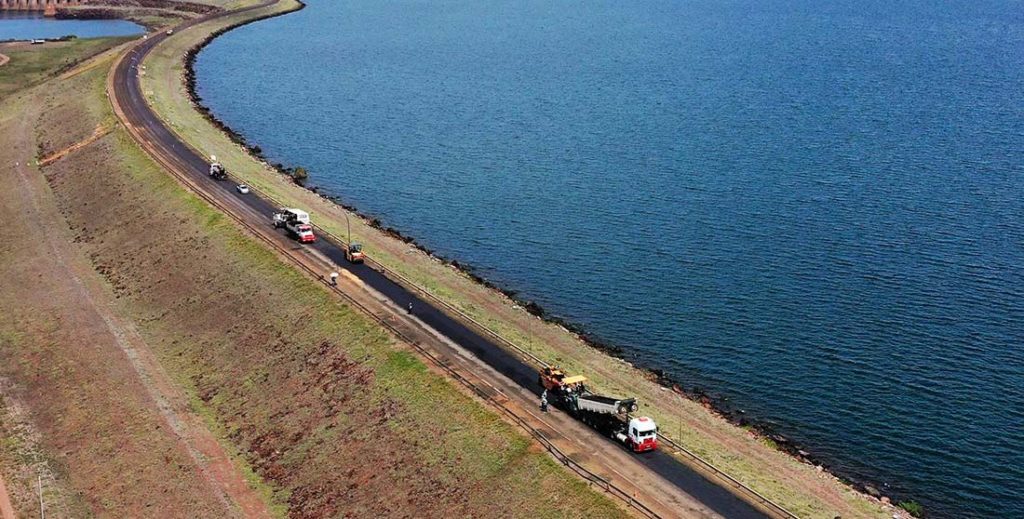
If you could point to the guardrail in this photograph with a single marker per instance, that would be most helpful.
(566, 460)
(768, 505)
(752, 495)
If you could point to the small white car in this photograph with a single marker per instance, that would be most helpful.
(170, 32)
(243, 189)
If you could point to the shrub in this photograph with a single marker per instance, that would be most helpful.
(913, 508)
(299, 175)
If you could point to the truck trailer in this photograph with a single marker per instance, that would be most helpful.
(607, 415)
(296, 222)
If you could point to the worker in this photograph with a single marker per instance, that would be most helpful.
(334, 279)
(410, 307)
(544, 401)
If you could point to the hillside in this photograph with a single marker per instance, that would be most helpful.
(156, 361)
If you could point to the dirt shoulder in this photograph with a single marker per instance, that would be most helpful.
(6, 508)
(805, 489)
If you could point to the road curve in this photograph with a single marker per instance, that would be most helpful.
(166, 147)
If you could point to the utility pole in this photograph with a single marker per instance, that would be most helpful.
(349, 226)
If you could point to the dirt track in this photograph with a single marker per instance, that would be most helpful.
(6, 510)
(102, 340)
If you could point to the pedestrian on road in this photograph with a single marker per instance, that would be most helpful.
(410, 307)
(544, 401)
(334, 279)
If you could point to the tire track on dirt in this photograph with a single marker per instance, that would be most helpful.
(6, 508)
(96, 135)
(210, 459)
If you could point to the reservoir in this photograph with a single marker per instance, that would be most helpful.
(27, 26)
(812, 210)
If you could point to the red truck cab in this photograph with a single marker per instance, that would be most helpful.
(642, 435)
(304, 233)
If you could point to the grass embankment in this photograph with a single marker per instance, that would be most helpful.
(74, 420)
(33, 64)
(328, 414)
(797, 486)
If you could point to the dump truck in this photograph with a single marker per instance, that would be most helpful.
(296, 222)
(607, 415)
(217, 171)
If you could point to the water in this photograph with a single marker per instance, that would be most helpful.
(27, 26)
(811, 208)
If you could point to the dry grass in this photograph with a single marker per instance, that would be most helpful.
(33, 64)
(328, 413)
(76, 413)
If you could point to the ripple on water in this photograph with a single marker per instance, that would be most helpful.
(811, 209)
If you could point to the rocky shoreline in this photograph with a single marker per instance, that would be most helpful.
(717, 404)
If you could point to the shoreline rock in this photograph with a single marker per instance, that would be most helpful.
(717, 404)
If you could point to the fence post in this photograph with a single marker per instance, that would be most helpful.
(42, 508)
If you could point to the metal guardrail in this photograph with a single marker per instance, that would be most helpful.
(566, 460)
(753, 495)
(731, 481)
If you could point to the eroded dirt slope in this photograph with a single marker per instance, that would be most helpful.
(75, 414)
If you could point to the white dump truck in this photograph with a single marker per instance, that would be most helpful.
(296, 222)
(607, 415)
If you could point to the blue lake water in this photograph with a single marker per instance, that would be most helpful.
(28, 26)
(813, 209)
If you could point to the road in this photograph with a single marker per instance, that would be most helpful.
(658, 480)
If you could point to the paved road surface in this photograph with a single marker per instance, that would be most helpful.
(696, 496)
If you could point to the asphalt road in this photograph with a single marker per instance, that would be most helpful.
(159, 139)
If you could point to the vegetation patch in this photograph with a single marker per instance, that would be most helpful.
(33, 64)
(913, 508)
(86, 432)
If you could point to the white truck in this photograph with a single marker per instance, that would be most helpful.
(217, 171)
(607, 415)
(296, 222)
